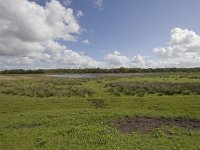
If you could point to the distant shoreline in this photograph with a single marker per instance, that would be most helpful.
(101, 71)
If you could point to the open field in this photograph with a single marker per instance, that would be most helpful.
(142, 112)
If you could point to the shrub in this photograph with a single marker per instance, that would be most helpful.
(141, 92)
(186, 92)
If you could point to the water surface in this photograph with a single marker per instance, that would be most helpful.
(85, 75)
(96, 75)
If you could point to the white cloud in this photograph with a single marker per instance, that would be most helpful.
(79, 13)
(29, 34)
(138, 61)
(116, 59)
(62, 21)
(86, 42)
(28, 24)
(7, 60)
(183, 49)
(77, 60)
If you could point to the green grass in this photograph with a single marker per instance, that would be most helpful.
(72, 122)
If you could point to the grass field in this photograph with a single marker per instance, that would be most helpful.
(40, 112)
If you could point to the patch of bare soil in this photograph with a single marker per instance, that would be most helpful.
(98, 103)
(147, 124)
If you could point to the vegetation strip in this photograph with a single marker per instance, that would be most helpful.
(161, 88)
(46, 88)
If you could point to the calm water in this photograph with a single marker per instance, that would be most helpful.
(95, 75)
(85, 75)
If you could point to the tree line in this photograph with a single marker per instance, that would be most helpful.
(100, 70)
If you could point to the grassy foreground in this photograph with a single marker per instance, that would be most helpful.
(39, 112)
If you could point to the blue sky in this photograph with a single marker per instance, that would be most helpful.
(133, 27)
(118, 33)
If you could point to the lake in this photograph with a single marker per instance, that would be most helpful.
(96, 75)
(85, 75)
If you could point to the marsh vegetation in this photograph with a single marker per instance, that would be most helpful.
(144, 111)
(160, 88)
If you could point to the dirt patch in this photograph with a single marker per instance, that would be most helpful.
(97, 103)
(147, 124)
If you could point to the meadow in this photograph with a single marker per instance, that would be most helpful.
(136, 112)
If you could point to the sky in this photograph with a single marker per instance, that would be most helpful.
(99, 33)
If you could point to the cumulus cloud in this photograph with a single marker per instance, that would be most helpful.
(142, 62)
(116, 59)
(183, 49)
(86, 42)
(27, 23)
(81, 60)
(29, 33)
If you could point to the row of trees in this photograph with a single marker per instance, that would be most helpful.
(21, 71)
(100, 70)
